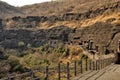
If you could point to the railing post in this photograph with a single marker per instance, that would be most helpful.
(75, 73)
(99, 64)
(81, 69)
(86, 64)
(113, 60)
(31, 75)
(93, 65)
(46, 72)
(109, 61)
(96, 64)
(103, 63)
(106, 60)
(59, 71)
(90, 65)
(8, 77)
(68, 71)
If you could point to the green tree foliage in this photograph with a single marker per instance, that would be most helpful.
(14, 63)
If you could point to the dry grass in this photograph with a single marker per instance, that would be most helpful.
(82, 23)
(100, 18)
(52, 8)
(64, 6)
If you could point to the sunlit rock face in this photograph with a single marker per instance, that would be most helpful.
(63, 29)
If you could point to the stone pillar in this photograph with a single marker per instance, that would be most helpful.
(90, 45)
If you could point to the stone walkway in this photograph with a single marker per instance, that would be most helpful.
(111, 72)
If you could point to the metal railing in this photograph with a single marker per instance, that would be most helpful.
(63, 71)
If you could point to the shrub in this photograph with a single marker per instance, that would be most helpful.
(60, 50)
(14, 63)
(28, 45)
(21, 43)
(75, 50)
(31, 61)
(84, 56)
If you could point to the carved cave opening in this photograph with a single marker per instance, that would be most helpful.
(118, 58)
(118, 54)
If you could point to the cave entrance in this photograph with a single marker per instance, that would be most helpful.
(118, 54)
(118, 58)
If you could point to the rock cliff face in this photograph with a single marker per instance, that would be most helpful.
(19, 32)
(105, 37)
(95, 28)
(102, 37)
(35, 21)
(11, 38)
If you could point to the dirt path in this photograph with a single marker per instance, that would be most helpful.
(111, 72)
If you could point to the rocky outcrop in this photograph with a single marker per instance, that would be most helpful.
(34, 21)
(101, 34)
(104, 36)
(12, 38)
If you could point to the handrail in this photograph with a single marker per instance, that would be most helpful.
(77, 67)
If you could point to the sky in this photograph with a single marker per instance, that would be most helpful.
(23, 2)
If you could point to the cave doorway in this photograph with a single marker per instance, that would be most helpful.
(118, 58)
(118, 53)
